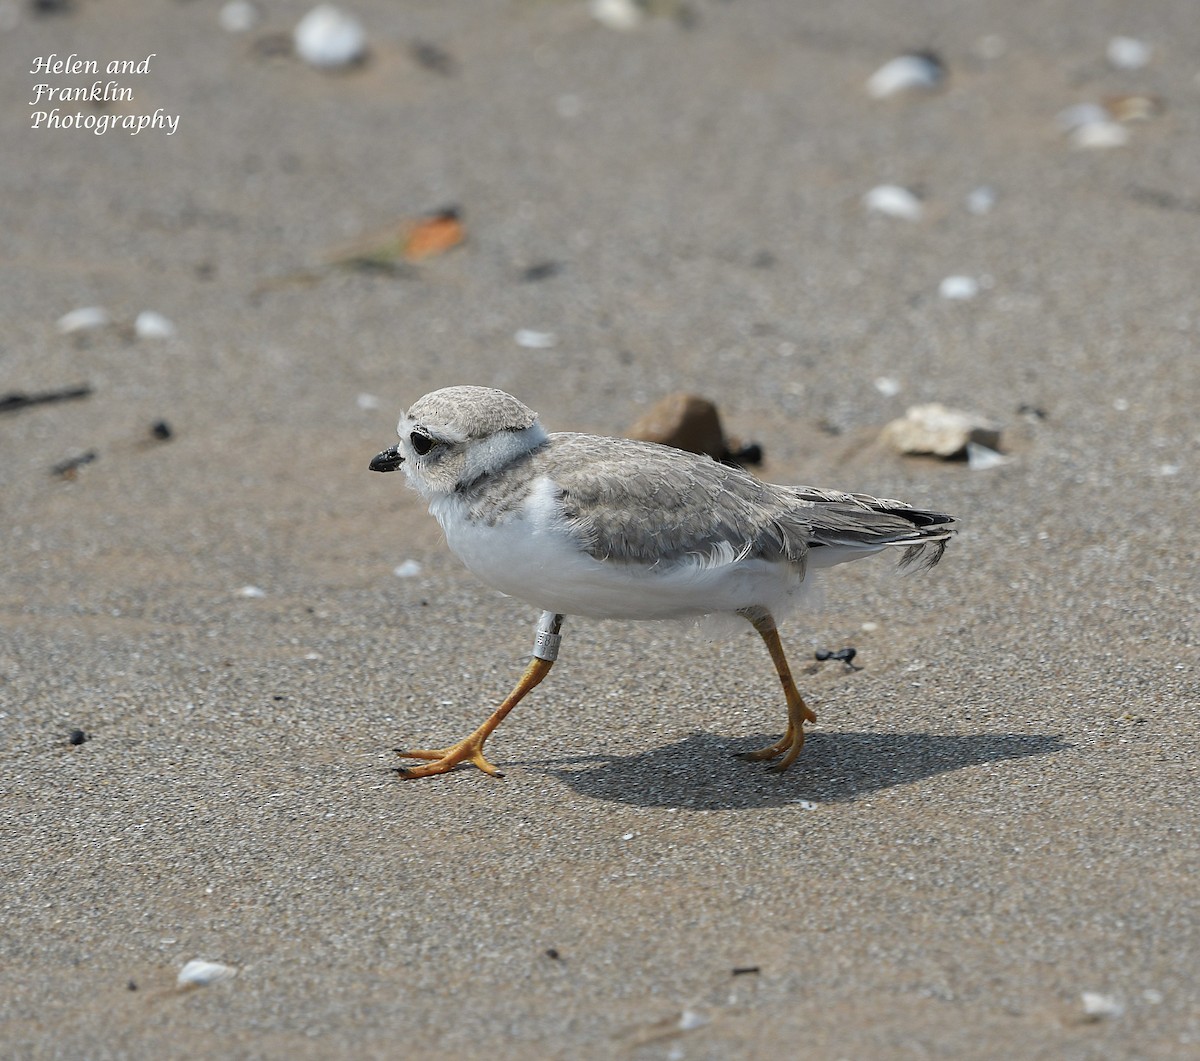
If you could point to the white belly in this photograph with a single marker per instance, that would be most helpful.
(533, 558)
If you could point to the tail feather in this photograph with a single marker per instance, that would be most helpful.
(858, 521)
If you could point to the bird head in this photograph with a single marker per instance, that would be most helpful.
(452, 437)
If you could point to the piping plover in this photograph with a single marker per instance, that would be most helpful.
(610, 528)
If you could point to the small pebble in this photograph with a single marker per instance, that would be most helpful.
(329, 38)
(76, 737)
(888, 386)
(541, 271)
(83, 319)
(892, 200)
(685, 421)
(408, 569)
(1128, 53)
(161, 430)
(151, 325)
(251, 591)
(691, 1019)
(921, 71)
(431, 57)
(367, 402)
(199, 973)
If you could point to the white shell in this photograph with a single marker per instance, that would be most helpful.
(894, 201)
(1099, 135)
(151, 325)
(959, 288)
(888, 386)
(327, 37)
(936, 429)
(251, 591)
(199, 973)
(1128, 53)
(904, 73)
(617, 14)
(83, 319)
(533, 340)
(981, 458)
(1097, 1006)
(408, 569)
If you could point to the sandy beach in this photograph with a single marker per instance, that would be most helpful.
(216, 623)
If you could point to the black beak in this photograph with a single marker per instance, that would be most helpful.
(387, 461)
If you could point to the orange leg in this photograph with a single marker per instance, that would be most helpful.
(792, 741)
(470, 749)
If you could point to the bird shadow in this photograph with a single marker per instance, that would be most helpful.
(698, 772)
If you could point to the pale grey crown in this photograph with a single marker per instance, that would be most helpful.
(464, 413)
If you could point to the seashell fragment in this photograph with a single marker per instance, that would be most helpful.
(199, 973)
(1099, 125)
(622, 15)
(534, 340)
(151, 325)
(914, 71)
(942, 432)
(892, 200)
(83, 319)
(959, 288)
(981, 458)
(329, 38)
(1128, 53)
(1097, 1007)
(1134, 107)
(1099, 135)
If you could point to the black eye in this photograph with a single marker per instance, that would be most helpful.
(421, 442)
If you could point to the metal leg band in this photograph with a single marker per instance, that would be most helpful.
(548, 638)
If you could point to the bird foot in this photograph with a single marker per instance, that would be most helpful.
(788, 746)
(443, 760)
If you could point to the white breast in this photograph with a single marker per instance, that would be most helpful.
(531, 555)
